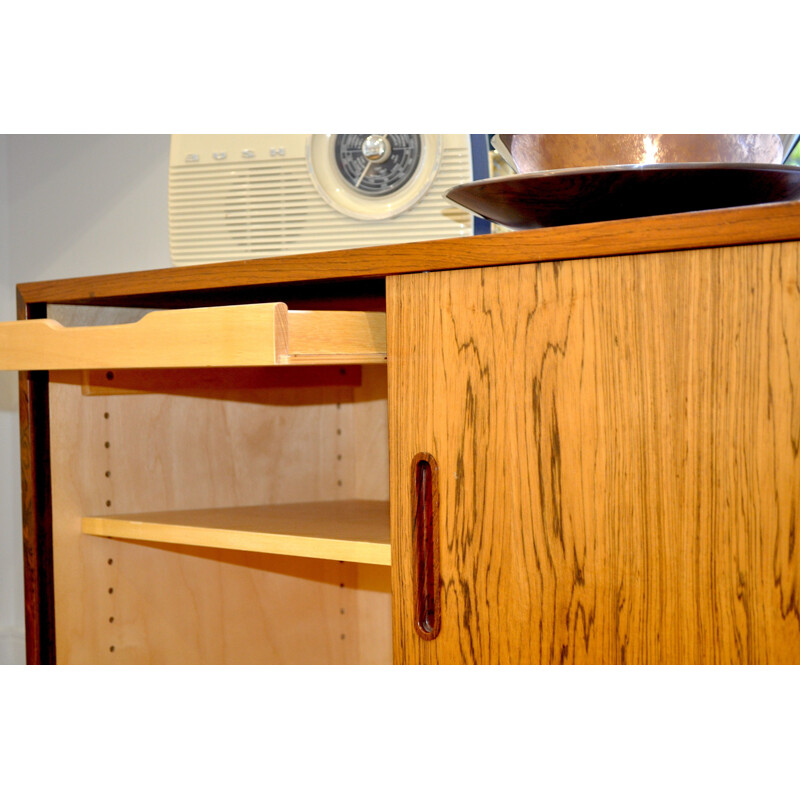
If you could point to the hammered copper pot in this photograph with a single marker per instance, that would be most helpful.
(537, 152)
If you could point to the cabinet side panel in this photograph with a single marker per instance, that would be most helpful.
(617, 443)
(37, 545)
(123, 602)
(36, 518)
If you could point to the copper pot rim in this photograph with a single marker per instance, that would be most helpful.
(546, 153)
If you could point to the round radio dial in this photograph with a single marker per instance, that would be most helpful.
(377, 164)
(373, 176)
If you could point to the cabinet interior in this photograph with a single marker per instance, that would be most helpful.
(239, 515)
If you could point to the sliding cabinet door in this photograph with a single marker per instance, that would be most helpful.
(596, 461)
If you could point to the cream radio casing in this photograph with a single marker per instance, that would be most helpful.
(239, 196)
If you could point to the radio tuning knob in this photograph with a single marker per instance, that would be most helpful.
(376, 148)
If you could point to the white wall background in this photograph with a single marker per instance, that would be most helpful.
(12, 641)
(69, 206)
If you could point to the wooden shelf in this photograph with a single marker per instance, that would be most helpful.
(350, 530)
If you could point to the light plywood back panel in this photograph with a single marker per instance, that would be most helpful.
(178, 604)
(366, 434)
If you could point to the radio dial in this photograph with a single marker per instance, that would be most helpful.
(377, 164)
(373, 175)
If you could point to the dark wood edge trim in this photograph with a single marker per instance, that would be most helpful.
(770, 222)
(37, 520)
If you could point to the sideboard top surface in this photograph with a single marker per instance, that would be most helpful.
(770, 222)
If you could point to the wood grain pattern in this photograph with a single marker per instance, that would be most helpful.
(619, 452)
(763, 223)
(337, 530)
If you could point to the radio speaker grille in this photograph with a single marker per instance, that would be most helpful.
(235, 211)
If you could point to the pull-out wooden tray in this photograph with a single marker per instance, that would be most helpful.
(226, 336)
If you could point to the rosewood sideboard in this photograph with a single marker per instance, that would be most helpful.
(568, 445)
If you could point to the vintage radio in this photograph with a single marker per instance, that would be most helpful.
(240, 196)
